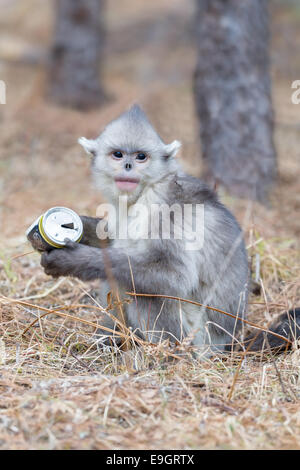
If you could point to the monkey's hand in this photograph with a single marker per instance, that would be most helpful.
(65, 261)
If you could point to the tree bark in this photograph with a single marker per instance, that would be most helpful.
(233, 95)
(76, 54)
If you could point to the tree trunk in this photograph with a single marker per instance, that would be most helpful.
(233, 95)
(76, 54)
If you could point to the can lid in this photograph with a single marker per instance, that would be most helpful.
(59, 223)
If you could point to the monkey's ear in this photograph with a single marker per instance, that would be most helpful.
(172, 149)
(89, 145)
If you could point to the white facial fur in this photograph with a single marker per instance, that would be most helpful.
(130, 133)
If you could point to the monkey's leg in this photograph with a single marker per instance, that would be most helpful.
(156, 319)
(158, 270)
(109, 320)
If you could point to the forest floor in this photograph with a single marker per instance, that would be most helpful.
(57, 389)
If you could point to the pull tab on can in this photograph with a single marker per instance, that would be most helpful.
(52, 228)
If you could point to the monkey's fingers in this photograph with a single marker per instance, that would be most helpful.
(69, 244)
(48, 262)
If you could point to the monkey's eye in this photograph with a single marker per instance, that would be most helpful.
(118, 155)
(141, 157)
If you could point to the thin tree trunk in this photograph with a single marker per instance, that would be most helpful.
(233, 97)
(76, 54)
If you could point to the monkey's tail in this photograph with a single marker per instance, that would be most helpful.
(287, 325)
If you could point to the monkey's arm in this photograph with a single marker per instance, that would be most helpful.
(90, 236)
(158, 269)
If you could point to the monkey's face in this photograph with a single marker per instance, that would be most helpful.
(127, 169)
(129, 155)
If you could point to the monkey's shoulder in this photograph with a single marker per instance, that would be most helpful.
(186, 189)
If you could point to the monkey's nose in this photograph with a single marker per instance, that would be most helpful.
(128, 166)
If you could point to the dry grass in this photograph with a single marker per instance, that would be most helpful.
(58, 389)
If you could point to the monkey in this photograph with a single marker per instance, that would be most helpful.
(131, 163)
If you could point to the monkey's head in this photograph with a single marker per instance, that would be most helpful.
(129, 155)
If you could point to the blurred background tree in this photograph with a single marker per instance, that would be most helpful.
(233, 95)
(76, 54)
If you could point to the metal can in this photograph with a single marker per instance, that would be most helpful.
(52, 228)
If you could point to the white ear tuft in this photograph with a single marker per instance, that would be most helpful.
(172, 149)
(89, 145)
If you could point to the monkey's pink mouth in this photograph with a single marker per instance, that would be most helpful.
(127, 184)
